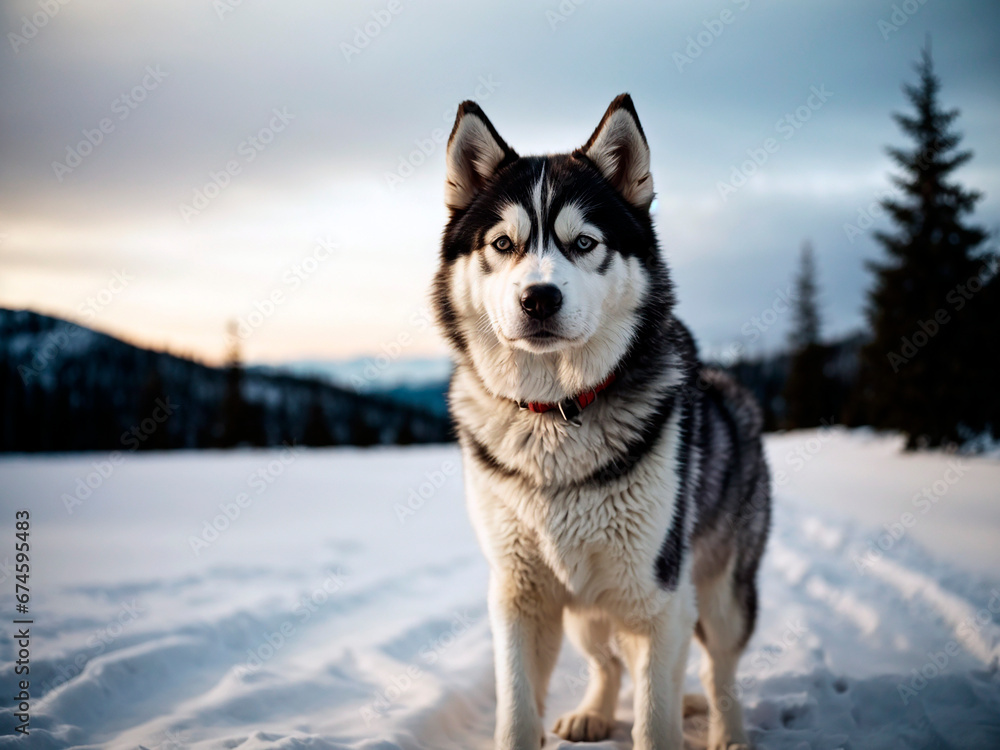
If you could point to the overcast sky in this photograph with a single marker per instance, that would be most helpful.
(301, 122)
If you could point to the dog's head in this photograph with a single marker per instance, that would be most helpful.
(549, 264)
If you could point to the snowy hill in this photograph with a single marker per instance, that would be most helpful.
(65, 387)
(341, 603)
(420, 382)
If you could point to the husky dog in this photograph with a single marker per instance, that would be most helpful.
(617, 487)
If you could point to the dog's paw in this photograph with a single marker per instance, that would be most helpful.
(583, 726)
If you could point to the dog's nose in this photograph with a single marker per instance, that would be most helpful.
(541, 301)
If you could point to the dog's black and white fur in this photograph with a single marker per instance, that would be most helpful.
(641, 519)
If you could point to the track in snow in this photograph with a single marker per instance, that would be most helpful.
(319, 619)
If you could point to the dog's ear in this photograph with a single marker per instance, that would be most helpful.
(619, 150)
(475, 153)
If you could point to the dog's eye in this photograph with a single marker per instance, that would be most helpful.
(503, 244)
(584, 243)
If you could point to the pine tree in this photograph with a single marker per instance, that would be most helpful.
(918, 374)
(806, 324)
(808, 390)
(234, 410)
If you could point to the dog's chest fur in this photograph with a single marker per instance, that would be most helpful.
(531, 479)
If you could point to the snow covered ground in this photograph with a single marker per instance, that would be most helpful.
(336, 599)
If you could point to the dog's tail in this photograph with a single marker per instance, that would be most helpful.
(738, 401)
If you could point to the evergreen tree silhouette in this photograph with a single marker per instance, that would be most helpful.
(806, 321)
(808, 393)
(235, 412)
(921, 373)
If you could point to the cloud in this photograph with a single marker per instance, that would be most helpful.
(356, 118)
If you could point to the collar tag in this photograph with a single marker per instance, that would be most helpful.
(571, 412)
(571, 407)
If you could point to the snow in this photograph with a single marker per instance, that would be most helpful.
(343, 603)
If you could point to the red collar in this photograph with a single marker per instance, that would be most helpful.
(571, 407)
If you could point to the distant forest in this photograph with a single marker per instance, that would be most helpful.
(64, 387)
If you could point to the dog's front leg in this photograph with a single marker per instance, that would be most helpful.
(656, 650)
(526, 618)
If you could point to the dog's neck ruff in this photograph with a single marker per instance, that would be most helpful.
(570, 408)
